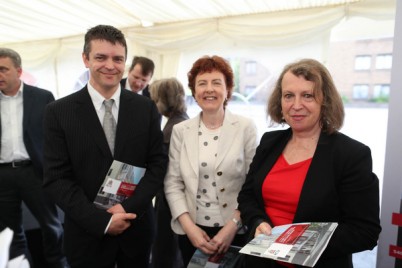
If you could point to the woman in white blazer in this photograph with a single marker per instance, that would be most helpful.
(209, 157)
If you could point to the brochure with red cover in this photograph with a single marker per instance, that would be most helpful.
(299, 243)
(119, 184)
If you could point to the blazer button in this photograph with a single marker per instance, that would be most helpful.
(224, 205)
(222, 190)
(219, 173)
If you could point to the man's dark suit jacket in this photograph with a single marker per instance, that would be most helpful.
(145, 91)
(34, 103)
(339, 187)
(77, 158)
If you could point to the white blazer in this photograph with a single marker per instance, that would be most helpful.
(236, 148)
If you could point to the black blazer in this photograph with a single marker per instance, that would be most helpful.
(77, 158)
(339, 187)
(145, 91)
(34, 102)
(167, 129)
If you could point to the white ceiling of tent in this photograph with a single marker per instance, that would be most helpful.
(29, 20)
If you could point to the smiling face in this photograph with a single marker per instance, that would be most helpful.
(300, 107)
(210, 91)
(106, 62)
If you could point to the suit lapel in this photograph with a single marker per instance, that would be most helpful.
(86, 111)
(227, 135)
(314, 177)
(190, 136)
(270, 153)
(27, 103)
(125, 119)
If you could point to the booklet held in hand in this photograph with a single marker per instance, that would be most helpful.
(119, 184)
(299, 243)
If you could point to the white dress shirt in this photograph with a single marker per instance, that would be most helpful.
(97, 100)
(12, 140)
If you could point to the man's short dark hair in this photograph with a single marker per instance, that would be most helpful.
(104, 32)
(13, 55)
(147, 65)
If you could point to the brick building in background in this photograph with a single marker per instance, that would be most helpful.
(362, 69)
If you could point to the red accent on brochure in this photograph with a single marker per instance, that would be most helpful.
(397, 219)
(119, 184)
(290, 235)
(395, 251)
(126, 189)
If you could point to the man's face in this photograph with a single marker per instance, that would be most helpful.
(9, 77)
(106, 64)
(137, 80)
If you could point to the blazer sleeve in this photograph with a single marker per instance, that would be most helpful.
(174, 183)
(358, 193)
(156, 165)
(60, 179)
(250, 144)
(250, 202)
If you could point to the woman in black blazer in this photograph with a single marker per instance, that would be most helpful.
(311, 172)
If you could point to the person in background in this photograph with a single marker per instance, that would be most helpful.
(209, 157)
(21, 161)
(79, 151)
(139, 75)
(169, 96)
(311, 172)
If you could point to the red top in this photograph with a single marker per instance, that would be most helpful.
(281, 191)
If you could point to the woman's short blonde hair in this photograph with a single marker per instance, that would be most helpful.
(332, 110)
(169, 96)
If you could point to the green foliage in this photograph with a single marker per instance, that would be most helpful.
(380, 99)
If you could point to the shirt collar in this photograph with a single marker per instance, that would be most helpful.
(19, 92)
(98, 99)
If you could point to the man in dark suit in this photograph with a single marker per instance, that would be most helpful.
(22, 108)
(139, 75)
(77, 158)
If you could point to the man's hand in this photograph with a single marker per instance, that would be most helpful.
(118, 208)
(120, 222)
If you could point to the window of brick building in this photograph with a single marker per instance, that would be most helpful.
(360, 92)
(383, 61)
(251, 67)
(363, 62)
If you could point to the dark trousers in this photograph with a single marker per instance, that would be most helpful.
(23, 184)
(131, 249)
(165, 252)
(187, 249)
(121, 260)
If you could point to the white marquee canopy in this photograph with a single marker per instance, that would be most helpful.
(49, 33)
